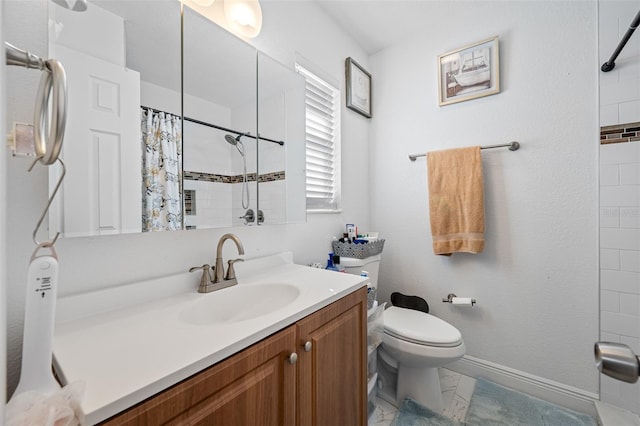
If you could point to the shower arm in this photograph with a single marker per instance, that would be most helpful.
(610, 64)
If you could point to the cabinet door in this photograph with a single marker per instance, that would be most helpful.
(332, 374)
(255, 386)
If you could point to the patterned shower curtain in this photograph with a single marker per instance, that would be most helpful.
(161, 163)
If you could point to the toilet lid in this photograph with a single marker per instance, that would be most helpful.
(419, 327)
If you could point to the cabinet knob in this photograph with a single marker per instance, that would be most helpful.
(307, 346)
(293, 358)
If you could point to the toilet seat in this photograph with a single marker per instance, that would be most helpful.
(420, 328)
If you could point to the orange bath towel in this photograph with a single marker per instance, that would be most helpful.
(456, 200)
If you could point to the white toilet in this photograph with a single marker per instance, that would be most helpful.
(414, 342)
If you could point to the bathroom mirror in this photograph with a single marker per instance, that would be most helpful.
(129, 84)
(281, 118)
(220, 122)
(119, 56)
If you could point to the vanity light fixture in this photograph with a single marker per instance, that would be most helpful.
(244, 17)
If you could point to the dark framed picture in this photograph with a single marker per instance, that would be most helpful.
(469, 72)
(358, 88)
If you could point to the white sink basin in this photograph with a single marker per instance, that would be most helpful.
(239, 303)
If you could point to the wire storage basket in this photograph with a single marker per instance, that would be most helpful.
(358, 251)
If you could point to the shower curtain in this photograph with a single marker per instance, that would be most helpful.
(161, 163)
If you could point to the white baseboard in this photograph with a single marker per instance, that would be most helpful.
(548, 390)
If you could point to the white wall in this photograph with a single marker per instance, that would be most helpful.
(25, 25)
(89, 263)
(3, 238)
(537, 280)
(620, 197)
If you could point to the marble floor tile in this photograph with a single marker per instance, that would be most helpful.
(385, 412)
(456, 394)
(466, 387)
(460, 404)
(448, 379)
(457, 409)
(448, 383)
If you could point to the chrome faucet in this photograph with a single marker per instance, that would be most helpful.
(220, 279)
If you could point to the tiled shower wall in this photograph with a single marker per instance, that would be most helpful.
(620, 251)
(211, 195)
(619, 193)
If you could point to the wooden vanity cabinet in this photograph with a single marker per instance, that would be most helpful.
(332, 376)
(261, 386)
(257, 383)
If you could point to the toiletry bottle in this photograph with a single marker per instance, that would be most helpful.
(336, 263)
(330, 265)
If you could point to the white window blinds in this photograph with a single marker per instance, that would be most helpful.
(322, 142)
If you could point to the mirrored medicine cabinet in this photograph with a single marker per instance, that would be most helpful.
(173, 123)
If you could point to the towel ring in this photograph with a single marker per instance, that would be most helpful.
(49, 121)
(53, 85)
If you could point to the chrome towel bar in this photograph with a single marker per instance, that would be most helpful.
(513, 146)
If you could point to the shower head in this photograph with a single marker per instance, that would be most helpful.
(233, 141)
(236, 142)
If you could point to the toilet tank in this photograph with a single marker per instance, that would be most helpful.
(370, 264)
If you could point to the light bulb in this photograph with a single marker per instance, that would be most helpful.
(244, 16)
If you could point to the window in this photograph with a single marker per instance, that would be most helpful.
(322, 143)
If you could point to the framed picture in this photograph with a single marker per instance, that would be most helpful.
(358, 88)
(470, 72)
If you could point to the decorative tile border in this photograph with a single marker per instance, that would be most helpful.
(251, 177)
(272, 177)
(619, 133)
(189, 202)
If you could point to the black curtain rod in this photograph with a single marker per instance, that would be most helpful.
(610, 64)
(204, 123)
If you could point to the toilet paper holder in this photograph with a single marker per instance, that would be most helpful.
(450, 296)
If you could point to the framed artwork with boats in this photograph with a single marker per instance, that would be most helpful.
(469, 72)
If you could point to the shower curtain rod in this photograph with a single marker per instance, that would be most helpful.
(204, 123)
(610, 64)
(513, 146)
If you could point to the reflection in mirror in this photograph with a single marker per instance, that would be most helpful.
(281, 106)
(119, 55)
(220, 154)
(125, 104)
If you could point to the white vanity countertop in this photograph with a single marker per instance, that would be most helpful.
(128, 354)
